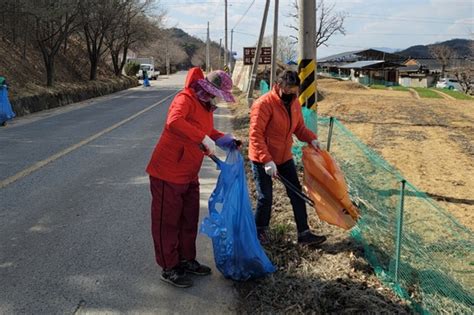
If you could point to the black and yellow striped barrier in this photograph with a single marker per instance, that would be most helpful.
(307, 74)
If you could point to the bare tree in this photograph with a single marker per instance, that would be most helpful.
(161, 46)
(171, 52)
(15, 23)
(214, 53)
(328, 21)
(199, 57)
(465, 75)
(176, 54)
(12, 18)
(97, 18)
(53, 22)
(443, 54)
(129, 26)
(286, 47)
(465, 78)
(115, 35)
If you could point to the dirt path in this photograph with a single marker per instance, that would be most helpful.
(431, 141)
(444, 95)
(414, 93)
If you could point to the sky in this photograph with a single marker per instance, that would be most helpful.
(396, 24)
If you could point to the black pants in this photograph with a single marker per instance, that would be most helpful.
(265, 195)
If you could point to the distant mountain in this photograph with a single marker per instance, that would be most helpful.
(194, 48)
(189, 43)
(462, 48)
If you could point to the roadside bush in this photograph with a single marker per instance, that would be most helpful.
(131, 68)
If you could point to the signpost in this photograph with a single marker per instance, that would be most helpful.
(265, 55)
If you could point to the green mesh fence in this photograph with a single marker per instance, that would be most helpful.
(264, 88)
(311, 121)
(436, 266)
(372, 81)
(337, 75)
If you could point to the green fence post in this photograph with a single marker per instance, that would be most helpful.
(331, 126)
(399, 229)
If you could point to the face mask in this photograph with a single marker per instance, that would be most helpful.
(211, 104)
(286, 98)
(203, 96)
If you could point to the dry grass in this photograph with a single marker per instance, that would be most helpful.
(348, 85)
(429, 140)
(26, 73)
(332, 279)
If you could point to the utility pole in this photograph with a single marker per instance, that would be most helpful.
(257, 56)
(231, 51)
(220, 53)
(167, 57)
(307, 52)
(225, 45)
(208, 52)
(274, 45)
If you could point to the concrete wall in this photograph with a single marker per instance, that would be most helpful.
(241, 75)
(416, 82)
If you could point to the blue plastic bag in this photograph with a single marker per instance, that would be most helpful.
(6, 112)
(231, 224)
(146, 81)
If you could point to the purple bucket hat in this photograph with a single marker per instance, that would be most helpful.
(218, 83)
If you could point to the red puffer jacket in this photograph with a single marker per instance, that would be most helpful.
(177, 157)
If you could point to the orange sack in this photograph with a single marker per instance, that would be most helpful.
(325, 185)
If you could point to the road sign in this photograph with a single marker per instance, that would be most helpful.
(265, 55)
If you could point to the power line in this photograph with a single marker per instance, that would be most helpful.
(408, 18)
(243, 33)
(386, 17)
(215, 11)
(185, 4)
(246, 11)
(402, 34)
(175, 3)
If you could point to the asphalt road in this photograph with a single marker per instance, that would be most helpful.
(75, 211)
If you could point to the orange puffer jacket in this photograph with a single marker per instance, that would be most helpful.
(271, 131)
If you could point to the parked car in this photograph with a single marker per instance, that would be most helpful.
(447, 83)
(150, 70)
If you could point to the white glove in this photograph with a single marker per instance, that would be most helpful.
(316, 144)
(271, 169)
(210, 145)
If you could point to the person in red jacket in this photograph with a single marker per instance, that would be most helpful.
(274, 118)
(174, 168)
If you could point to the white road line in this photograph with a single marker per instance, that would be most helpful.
(33, 168)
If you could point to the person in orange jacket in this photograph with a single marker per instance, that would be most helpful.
(174, 168)
(274, 118)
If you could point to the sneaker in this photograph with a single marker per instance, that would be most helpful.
(263, 237)
(192, 266)
(308, 238)
(176, 277)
